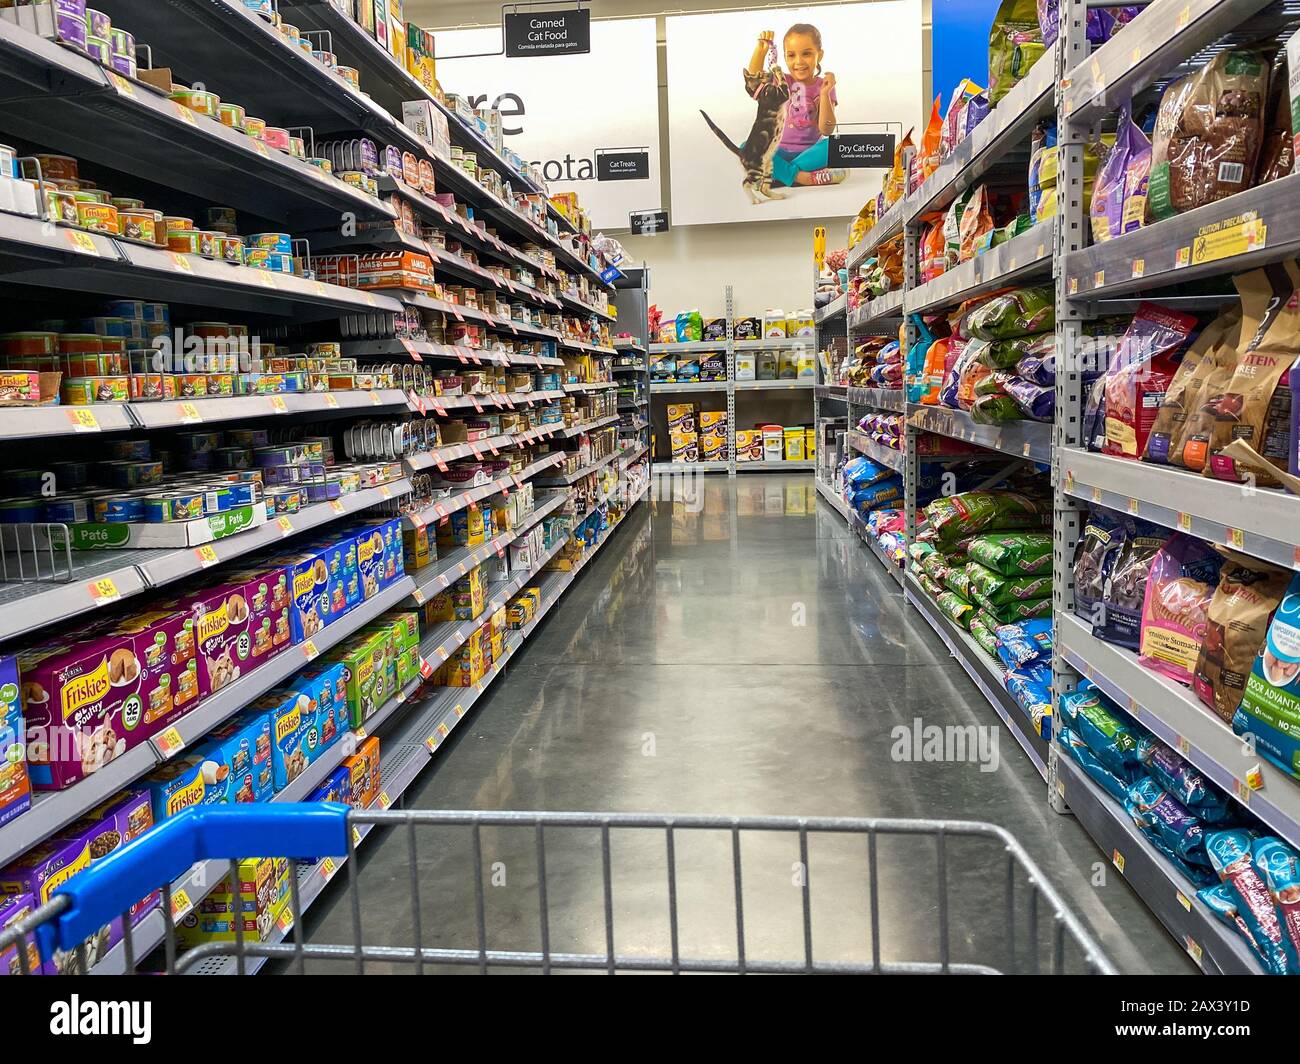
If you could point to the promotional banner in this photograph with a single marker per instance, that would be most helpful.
(754, 96)
(568, 112)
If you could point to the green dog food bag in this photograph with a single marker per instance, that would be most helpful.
(983, 634)
(957, 517)
(957, 609)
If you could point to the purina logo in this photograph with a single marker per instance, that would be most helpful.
(114, 1019)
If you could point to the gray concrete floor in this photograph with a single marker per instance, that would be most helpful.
(741, 653)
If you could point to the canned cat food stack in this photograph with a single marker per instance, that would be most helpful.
(122, 45)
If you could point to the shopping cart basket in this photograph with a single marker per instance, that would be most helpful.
(881, 873)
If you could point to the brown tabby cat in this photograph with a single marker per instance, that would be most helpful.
(755, 155)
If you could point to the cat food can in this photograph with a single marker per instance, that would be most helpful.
(326, 59)
(281, 242)
(282, 475)
(232, 115)
(232, 458)
(284, 500)
(119, 509)
(205, 103)
(349, 74)
(173, 506)
(20, 511)
(101, 217)
(256, 257)
(185, 241)
(232, 249)
(244, 493)
(79, 391)
(98, 24)
(322, 164)
(221, 384)
(130, 450)
(278, 262)
(283, 454)
(254, 127)
(198, 442)
(217, 499)
(192, 385)
(173, 223)
(135, 474)
(69, 509)
(275, 137)
(137, 225)
(248, 437)
(99, 49)
(297, 147)
(58, 167)
(210, 243)
(152, 386)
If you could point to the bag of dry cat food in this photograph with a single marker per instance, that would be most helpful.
(1192, 449)
(1013, 554)
(1019, 312)
(953, 120)
(1185, 391)
(897, 183)
(927, 158)
(1140, 374)
(952, 229)
(975, 222)
(957, 609)
(1119, 193)
(1249, 591)
(931, 261)
(996, 410)
(1005, 354)
(1095, 554)
(1215, 127)
(993, 589)
(1015, 44)
(1119, 618)
(957, 517)
(1277, 156)
(1256, 404)
(1175, 611)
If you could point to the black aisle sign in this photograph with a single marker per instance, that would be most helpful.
(622, 165)
(862, 150)
(647, 223)
(533, 33)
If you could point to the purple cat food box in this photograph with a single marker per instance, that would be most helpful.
(42, 871)
(89, 700)
(13, 909)
(240, 623)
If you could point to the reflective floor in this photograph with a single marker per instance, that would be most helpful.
(740, 653)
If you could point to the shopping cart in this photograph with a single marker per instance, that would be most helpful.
(881, 874)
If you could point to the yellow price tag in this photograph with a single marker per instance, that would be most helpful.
(259, 147)
(1184, 17)
(331, 401)
(81, 242)
(385, 492)
(285, 922)
(376, 399)
(265, 278)
(206, 555)
(309, 651)
(1183, 900)
(1098, 278)
(1242, 790)
(1184, 745)
(285, 525)
(121, 84)
(170, 742)
(181, 904)
(1255, 778)
(83, 420)
(103, 590)
(190, 414)
(278, 405)
(328, 868)
(1117, 859)
(460, 710)
(184, 113)
(321, 290)
(180, 262)
(384, 801)
(356, 836)
(337, 506)
(1069, 480)
(1139, 268)
(1096, 495)
(1193, 949)
(1236, 538)
(1184, 522)
(1133, 506)
(360, 733)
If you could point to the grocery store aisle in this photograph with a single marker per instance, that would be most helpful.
(742, 653)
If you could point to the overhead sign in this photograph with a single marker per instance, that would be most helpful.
(540, 33)
(862, 150)
(647, 223)
(538, 115)
(622, 165)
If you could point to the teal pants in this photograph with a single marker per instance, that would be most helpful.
(785, 165)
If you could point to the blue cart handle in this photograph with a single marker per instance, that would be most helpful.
(108, 888)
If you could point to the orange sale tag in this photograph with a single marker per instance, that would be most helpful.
(83, 420)
(103, 590)
(170, 742)
(206, 555)
(278, 405)
(285, 525)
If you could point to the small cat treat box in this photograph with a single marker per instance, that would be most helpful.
(239, 624)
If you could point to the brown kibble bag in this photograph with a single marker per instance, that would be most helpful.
(1256, 405)
(1214, 145)
(1188, 384)
(1249, 591)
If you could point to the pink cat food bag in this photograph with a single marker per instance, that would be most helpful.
(1176, 609)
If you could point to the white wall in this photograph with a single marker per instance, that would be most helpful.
(768, 264)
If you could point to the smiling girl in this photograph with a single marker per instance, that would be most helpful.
(802, 156)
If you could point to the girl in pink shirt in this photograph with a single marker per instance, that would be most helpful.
(802, 158)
